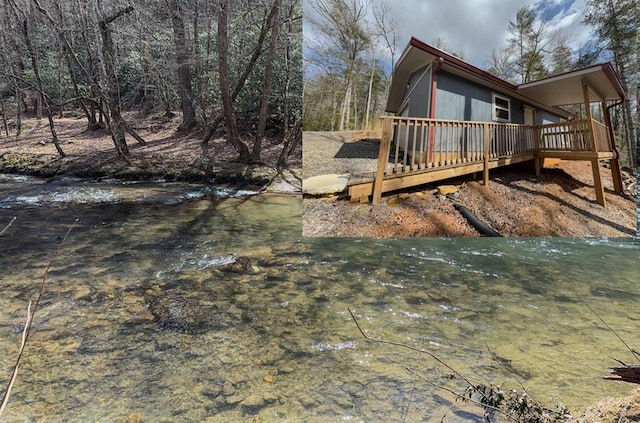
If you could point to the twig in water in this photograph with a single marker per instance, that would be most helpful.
(398, 344)
(29, 323)
(633, 352)
(413, 389)
(457, 395)
(8, 226)
(14, 374)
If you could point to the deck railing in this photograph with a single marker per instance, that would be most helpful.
(566, 136)
(601, 134)
(420, 143)
(414, 145)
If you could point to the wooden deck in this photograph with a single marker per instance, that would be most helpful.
(415, 151)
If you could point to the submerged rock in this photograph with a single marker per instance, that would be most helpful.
(185, 315)
(241, 265)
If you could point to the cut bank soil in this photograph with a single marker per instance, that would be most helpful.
(561, 202)
(168, 155)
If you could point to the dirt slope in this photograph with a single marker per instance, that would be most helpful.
(561, 202)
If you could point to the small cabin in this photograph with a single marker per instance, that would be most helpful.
(450, 118)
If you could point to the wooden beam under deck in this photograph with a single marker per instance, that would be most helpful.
(576, 155)
(408, 179)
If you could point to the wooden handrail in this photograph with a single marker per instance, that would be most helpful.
(422, 144)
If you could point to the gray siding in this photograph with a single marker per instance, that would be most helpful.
(544, 117)
(459, 99)
(417, 93)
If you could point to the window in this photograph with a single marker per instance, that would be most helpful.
(501, 108)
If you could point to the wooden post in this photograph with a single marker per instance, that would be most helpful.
(616, 173)
(587, 107)
(383, 154)
(595, 164)
(538, 161)
(485, 172)
(597, 181)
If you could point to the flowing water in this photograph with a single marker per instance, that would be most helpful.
(284, 346)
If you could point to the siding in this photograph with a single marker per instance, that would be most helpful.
(416, 95)
(459, 99)
(544, 117)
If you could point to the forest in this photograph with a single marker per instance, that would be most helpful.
(353, 46)
(228, 68)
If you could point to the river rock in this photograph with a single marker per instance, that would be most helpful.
(253, 403)
(185, 314)
(242, 265)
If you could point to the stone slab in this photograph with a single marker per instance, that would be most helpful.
(325, 184)
(447, 189)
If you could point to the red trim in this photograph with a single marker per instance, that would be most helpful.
(452, 60)
(432, 106)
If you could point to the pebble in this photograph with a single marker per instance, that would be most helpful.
(136, 417)
(253, 402)
(269, 378)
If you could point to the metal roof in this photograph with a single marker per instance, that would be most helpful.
(566, 88)
(547, 93)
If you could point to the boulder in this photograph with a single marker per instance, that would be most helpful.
(447, 189)
(325, 184)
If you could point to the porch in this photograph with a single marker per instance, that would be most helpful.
(415, 151)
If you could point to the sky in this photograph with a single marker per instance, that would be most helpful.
(474, 28)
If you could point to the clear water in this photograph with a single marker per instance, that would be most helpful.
(290, 350)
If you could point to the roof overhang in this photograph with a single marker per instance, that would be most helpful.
(566, 88)
(417, 55)
(547, 94)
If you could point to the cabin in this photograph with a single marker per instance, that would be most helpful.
(450, 118)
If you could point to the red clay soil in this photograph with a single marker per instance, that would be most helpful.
(561, 202)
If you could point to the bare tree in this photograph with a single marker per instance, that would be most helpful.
(184, 68)
(218, 116)
(25, 17)
(529, 40)
(225, 83)
(268, 74)
(342, 24)
(116, 122)
(501, 64)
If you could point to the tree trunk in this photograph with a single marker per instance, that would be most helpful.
(115, 121)
(292, 139)
(368, 109)
(4, 118)
(242, 79)
(39, 86)
(18, 115)
(227, 101)
(268, 73)
(184, 70)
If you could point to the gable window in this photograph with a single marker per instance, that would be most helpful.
(501, 108)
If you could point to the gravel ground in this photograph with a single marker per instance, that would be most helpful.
(338, 152)
(561, 202)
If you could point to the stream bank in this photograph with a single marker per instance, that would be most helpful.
(169, 156)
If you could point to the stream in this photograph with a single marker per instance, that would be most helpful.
(282, 345)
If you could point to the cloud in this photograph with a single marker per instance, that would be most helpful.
(474, 28)
(548, 10)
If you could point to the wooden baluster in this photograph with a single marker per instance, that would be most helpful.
(485, 173)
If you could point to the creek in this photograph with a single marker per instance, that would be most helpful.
(502, 311)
